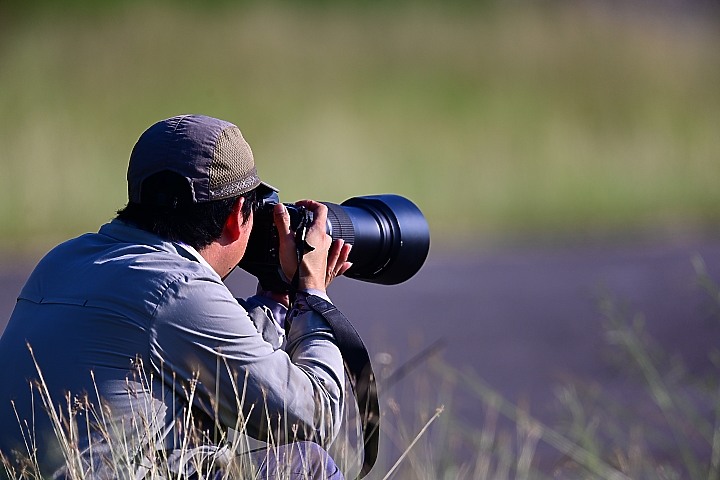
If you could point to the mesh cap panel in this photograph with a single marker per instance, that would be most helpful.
(232, 170)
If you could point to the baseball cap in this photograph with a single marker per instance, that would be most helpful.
(210, 154)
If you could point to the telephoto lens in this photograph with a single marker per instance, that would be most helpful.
(389, 234)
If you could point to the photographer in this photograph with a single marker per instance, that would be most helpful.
(140, 343)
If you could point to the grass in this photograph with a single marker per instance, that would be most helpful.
(672, 432)
(655, 420)
(512, 120)
(120, 449)
(601, 436)
(496, 121)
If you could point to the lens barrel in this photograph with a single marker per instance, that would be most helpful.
(389, 235)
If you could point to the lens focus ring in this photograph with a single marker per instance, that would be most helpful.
(339, 223)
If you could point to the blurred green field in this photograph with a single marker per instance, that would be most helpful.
(499, 121)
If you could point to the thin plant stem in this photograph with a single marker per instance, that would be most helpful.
(560, 442)
(415, 440)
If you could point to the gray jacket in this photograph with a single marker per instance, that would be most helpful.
(165, 341)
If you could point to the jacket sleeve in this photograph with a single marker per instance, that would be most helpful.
(205, 342)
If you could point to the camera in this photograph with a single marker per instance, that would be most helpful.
(389, 235)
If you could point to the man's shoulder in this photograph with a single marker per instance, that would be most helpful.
(97, 268)
(99, 252)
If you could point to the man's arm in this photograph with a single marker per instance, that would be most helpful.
(246, 384)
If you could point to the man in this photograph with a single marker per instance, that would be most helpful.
(126, 353)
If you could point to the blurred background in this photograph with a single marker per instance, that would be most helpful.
(502, 120)
(554, 146)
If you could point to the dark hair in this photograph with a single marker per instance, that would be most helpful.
(168, 211)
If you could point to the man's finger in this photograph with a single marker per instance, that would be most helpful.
(319, 211)
(282, 219)
(344, 268)
(335, 251)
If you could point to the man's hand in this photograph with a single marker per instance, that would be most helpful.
(328, 258)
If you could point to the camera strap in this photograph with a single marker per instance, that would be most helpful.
(360, 373)
(356, 359)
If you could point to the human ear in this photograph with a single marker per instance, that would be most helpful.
(234, 223)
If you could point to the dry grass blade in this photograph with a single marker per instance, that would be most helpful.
(563, 444)
(415, 440)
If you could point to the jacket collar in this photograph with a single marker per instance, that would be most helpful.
(126, 232)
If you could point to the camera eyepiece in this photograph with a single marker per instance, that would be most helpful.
(389, 235)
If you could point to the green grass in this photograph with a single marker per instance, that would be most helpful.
(496, 121)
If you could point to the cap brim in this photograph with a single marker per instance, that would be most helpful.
(266, 188)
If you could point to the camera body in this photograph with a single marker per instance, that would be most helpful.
(389, 235)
